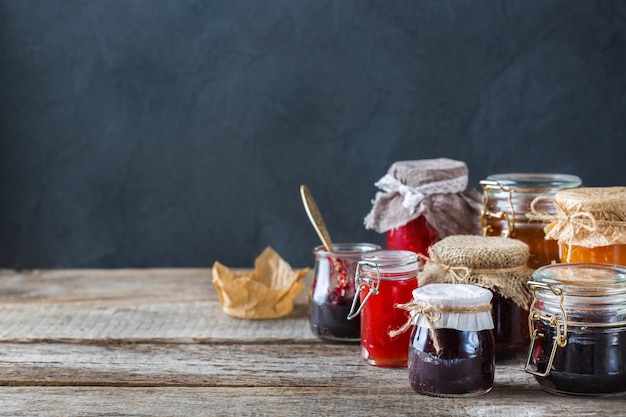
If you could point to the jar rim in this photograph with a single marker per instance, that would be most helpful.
(531, 182)
(384, 258)
(345, 249)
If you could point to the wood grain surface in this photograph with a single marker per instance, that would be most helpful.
(156, 342)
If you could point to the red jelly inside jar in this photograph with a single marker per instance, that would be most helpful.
(386, 278)
(415, 236)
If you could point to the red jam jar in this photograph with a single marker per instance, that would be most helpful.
(451, 350)
(384, 279)
(333, 290)
(423, 201)
(578, 329)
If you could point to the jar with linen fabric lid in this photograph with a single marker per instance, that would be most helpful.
(423, 201)
(498, 264)
(578, 329)
(589, 224)
(507, 200)
(451, 350)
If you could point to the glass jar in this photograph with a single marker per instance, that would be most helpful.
(414, 236)
(589, 225)
(507, 199)
(333, 290)
(578, 329)
(384, 278)
(452, 349)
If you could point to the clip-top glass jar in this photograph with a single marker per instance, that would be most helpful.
(578, 329)
(451, 350)
(384, 278)
(333, 290)
(506, 203)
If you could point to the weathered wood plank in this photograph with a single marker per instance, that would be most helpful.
(92, 306)
(290, 401)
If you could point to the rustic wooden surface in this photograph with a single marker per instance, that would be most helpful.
(156, 342)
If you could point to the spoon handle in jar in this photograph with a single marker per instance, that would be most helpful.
(316, 217)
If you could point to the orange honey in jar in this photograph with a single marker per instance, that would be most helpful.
(589, 224)
(507, 200)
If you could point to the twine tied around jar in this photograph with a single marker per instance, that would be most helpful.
(587, 217)
(432, 313)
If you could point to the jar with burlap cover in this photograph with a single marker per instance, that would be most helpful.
(492, 262)
(586, 217)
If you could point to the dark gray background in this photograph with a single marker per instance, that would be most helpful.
(139, 133)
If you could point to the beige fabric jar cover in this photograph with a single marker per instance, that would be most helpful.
(588, 216)
(434, 188)
(492, 262)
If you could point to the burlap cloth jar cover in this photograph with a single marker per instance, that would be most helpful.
(588, 216)
(495, 263)
(434, 188)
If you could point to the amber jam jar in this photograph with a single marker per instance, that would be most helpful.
(451, 350)
(589, 224)
(333, 290)
(578, 329)
(507, 200)
(384, 279)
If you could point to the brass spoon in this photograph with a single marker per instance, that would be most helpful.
(316, 217)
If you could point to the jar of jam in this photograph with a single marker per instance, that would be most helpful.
(507, 201)
(589, 224)
(578, 329)
(423, 201)
(451, 350)
(498, 264)
(384, 278)
(333, 290)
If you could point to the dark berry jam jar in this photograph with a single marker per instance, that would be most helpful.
(384, 278)
(333, 290)
(578, 329)
(452, 349)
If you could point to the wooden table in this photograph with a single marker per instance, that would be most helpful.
(156, 342)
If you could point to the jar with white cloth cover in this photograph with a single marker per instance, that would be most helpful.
(451, 349)
(423, 201)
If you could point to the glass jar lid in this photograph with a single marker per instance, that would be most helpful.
(531, 182)
(581, 279)
(346, 250)
(389, 264)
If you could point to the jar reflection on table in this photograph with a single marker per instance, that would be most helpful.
(578, 329)
(385, 278)
(333, 290)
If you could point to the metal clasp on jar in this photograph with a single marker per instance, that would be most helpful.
(558, 321)
(486, 214)
(361, 283)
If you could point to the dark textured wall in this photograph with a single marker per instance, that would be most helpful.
(138, 133)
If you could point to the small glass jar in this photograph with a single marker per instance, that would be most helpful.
(578, 329)
(452, 349)
(384, 278)
(333, 290)
(506, 203)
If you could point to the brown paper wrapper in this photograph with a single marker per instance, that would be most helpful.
(265, 293)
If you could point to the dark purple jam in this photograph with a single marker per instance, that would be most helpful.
(510, 327)
(464, 367)
(592, 363)
(328, 321)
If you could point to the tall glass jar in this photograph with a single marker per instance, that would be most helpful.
(333, 290)
(384, 279)
(507, 199)
(452, 349)
(578, 329)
